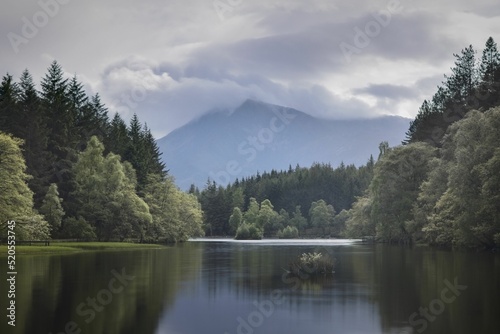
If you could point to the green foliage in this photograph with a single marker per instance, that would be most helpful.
(431, 191)
(252, 214)
(216, 206)
(78, 228)
(311, 264)
(268, 219)
(16, 199)
(298, 220)
(142, 151)
(286, 190)
(235, 220)
(57, 122)
(248, 231)
(359, 223)
(289, 232)
(445, 197)
(105, 191)
(32, 227)
(321, 214)
(97, 188)
(52, 209)
(339, 223)
(176, 216)
(467, 213)
(395, 187)
(472, 85)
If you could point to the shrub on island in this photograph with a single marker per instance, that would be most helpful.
(312, 264)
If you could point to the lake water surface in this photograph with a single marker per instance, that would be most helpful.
(224, 286)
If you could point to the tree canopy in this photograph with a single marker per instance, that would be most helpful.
(70, 171)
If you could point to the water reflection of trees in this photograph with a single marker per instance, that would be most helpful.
(49, 289)
(392, 281)
(407, 278)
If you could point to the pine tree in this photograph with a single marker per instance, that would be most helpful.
(136, 152)
(35, 137)
(77, 98)
(61, 120)
(490, 62)
(94, 120)
(101, 118)
(464, 78)
(143, 152)
(57, 108)
(490, 75)
(118, 140)
(9, 97)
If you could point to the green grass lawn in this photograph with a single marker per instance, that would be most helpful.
(71, 247)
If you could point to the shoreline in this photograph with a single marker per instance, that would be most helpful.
(75, 247)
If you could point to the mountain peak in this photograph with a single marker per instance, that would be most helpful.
(252, 105)
(259, 136)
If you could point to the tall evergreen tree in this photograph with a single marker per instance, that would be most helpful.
(464, 78)
(152, 154)
(63, 135)
(35, 137)
(489, 70)
(490, 62)
(9, 116)
(94, 119)
(136, 151)
(57, 106)
(118, 140)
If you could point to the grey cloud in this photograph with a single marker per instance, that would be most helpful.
(415, 35)
(393, 92)
(180, 60)
(428, 85)
(167, 103)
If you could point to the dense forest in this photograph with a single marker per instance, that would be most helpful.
(441, 186)
(276, 200)
(68, 171)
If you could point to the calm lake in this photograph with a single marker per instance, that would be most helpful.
(225, 286)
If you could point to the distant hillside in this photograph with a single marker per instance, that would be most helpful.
(260, 137)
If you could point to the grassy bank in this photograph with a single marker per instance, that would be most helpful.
(72, 247)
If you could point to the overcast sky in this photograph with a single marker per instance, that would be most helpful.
(169, 61)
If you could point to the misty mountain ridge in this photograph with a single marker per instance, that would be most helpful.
(257, 137)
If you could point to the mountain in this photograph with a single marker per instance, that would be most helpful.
(258, 136)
